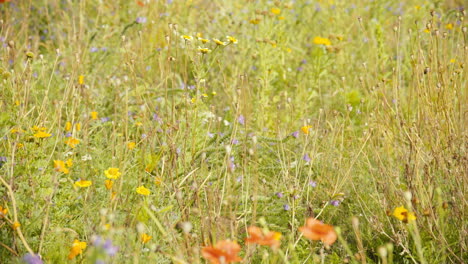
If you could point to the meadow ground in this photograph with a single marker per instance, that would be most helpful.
(211, 131)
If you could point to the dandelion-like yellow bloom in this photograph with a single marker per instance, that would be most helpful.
(15, 225)
(72, 142)
(204, 50)
(232, 40)
(77, 248)
(81, 79)
(42, 134)
(68, 126)
(322, 41)
(157, 181)
(402, 214)
(187, 38)
(131, 145)
(204, 41)
(60, 166)
(78, 126)
(449, 26)
(255, 21)
(108, 184)
(219, 42)
(94, 115)
(276, 11)
(143, 191)
(305, 129)
(83, 183)
(112, 173)
(3, 211)
(145, 238)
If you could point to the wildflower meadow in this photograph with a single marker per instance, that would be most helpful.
(233, 131)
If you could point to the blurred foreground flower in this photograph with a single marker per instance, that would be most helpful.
(322, 41)
(224, 251)
(32, 259)
(259, 236)
(83, 183)
(402, 214)
(316, 230)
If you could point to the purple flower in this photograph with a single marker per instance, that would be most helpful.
(140, 20)
(210, 135)
(3, 159)
(32, 259)
(110, 249)
(335, 202)
(234, 141)
(313, 184)
(104, 49)
(105, 119)
(68, 134)
(295, 134)
(279, 194)
(241, 120)
(286, 207)
(93, 49)
(239, 179)
(306, 158)
(304, 61)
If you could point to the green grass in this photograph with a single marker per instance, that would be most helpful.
(214, 133)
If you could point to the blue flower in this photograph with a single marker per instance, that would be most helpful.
(32, 259)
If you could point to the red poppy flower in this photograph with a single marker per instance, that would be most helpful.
(258, 236)
(224, 251)
(316, 230)
(3, 1)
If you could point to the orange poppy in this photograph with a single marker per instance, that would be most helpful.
(224, 251)
(316, 230)
(3, 1)
(258, 236)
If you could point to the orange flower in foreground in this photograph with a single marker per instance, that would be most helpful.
(258, 236)
(224, 251)
(316, 230)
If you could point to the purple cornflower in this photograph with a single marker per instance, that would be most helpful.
(110, 249)
(286, 207)
(105, 119)
(313, 184)
(279, 194)
(93, 49)
(140, 20)
(68, 134)
(234, 141)
(306, 158)
(32, 259)
(335, 202)
(241, 120)
(295, 134)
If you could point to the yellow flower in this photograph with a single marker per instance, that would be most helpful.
(112, 173)
(83, 183)
(77, 248)
(145, 238)
(276, 11)
(452, 60)
(42, 134)
(16, 130)
(59, 166)
(204, 41)
(131, 145)
(81, 79)
(322, 41)
(69, 163)
(20, 145)
(449, 26)
(402, 214)
(219, 42)
(72, 142)
(138, 124)
(305, 129)
(3, 211)
(94, 115)
(15, 225)
(187, 38)
(157, 181)
(232, 40)
(204, 50)
(78, 126)
(108, 184)
(255, 21)
(427, 30)
(143, 191)
(281, 18)
(68, 126)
